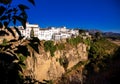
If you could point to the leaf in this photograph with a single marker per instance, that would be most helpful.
(19, 33)
(13, 40)
(21, 63)
(3, 33)
(14, 20)
(7, 47)
(4, 56)
(34, 47)
(22, 7)
(18, 67)
(35, 40)
(17, 30)
(1, 26)
(15, 10)
(9, 11)
(32, 1)
(5, 1)
(9, 17)
(22, 20)
(22, 50)
(21, 37)
(11, 31)
(6, 24)
(24, 23)
(2, 9)
(4, 18)
(12, 54)
(24, 15)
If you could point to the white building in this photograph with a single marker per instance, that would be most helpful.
(45, 34)
(59, 36)
(50, 33)
(26, 32)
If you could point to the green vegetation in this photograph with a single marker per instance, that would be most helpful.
(100, 54)
(87, 41)
(104, 63)
(5, 42)
(60, 46)
(74, 41)
(12, 54)
(12, 14)
(32, 33)
(81, 31)
(79, 64)
(98, 35)
(49, 46)
(64, 62)
(22, 58)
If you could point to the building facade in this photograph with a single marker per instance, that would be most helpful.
(51, 33)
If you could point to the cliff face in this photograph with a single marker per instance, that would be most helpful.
(44, 67)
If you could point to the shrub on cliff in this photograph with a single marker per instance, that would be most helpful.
(64, 62)
(60, 46)
(49, 46)
(74, 41)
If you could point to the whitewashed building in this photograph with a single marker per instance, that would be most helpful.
(51, 33)
(26, 32)
(45, 34)
(59, 36)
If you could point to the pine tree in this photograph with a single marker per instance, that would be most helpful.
(32, 33)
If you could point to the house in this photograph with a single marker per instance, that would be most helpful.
(29, 27)
(50, 33)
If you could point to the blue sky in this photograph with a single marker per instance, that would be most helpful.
(103, 15)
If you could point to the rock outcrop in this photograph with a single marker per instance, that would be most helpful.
(44, 67)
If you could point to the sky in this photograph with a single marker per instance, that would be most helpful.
(103, 15)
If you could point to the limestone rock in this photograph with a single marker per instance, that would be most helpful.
(43, 66)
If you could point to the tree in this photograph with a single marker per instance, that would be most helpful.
(13, 53)
(98, 35)
(32, 33)
(81, 31)
(49, 46)
(9, 14)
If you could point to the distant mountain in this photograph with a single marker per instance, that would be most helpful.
(104, 34)
(111, 34)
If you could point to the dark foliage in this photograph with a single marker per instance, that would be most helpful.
(3, 33)
(34, 42)
(12, 54)
(9, 14)
(104, 67)
(32, 33)
(22, 50)
(49, 46)
(9, 70)
(64, 62)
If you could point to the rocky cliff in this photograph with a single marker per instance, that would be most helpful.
(44, 67)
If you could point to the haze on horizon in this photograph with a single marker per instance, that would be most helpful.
(103, 15)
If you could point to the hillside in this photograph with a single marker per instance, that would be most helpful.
(35, 61)
(102, 67)
(69, 61)
(117, 41)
